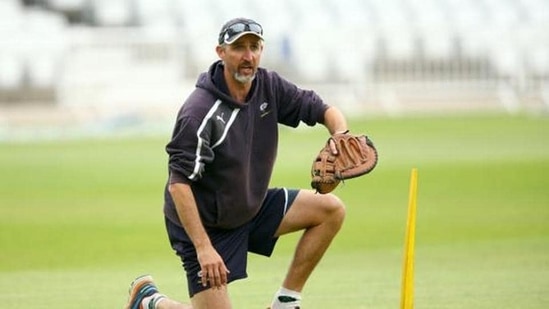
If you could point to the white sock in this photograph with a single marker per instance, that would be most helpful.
(286, 299)
(151, 301)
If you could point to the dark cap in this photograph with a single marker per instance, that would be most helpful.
(236, 28)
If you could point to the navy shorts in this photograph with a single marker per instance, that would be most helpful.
(233, 245)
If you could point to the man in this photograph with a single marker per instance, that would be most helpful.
(218, 205)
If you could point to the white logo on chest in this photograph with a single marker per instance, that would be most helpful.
(263, 109)
(220, 118)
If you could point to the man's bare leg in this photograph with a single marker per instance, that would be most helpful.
(211, 298)
(321, 216)
(144, 294)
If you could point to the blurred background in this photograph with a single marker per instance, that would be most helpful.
(89, 91)
(73, 67)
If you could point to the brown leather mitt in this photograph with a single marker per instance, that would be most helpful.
(356, 156)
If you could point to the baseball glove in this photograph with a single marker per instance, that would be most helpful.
(356, 156)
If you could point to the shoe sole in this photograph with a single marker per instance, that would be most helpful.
(136, 286)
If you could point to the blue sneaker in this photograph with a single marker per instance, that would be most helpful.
(140, 288)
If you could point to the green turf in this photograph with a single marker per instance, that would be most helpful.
(79, 219)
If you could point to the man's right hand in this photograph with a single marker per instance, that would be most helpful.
(213, 270)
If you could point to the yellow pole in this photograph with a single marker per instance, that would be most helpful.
(407, 292)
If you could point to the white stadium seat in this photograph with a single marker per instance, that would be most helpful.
(112, 12)
(45, 46)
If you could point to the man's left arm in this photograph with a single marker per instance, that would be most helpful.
(335, 121)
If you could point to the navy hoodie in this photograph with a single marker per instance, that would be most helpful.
(226, 150)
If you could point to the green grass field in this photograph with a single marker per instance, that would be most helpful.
(80, 219)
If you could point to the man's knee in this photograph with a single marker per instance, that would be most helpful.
(335, 208)
(311, 209)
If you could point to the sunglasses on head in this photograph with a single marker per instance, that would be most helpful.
(240, 27)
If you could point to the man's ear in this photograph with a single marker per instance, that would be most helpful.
(220, 50)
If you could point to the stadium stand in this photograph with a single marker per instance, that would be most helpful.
(386, 55)
(11, 64)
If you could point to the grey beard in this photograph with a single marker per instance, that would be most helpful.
(244, 79)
